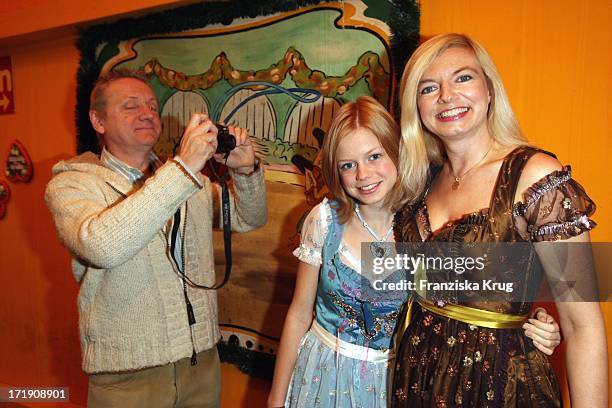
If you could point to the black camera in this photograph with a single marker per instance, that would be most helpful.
(226, 142)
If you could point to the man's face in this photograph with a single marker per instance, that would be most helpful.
(130, 123)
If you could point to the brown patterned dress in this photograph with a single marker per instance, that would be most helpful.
(443, 362)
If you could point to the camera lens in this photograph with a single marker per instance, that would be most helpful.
(226, 142)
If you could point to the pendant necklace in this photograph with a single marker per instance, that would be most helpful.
(380, 248)
(457, 180)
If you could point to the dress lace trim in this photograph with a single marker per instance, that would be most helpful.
(309, 255)
(314, 231)
(576, 226)
(541, 187)
(558, 215)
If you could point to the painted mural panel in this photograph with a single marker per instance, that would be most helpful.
(281, 76)
(314, 49)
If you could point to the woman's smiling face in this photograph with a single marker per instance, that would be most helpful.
(452, 95)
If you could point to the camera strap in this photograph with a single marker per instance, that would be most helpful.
(227, 229)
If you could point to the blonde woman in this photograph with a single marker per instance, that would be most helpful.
(483, 183)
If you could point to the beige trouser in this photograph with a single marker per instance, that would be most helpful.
(177, 384)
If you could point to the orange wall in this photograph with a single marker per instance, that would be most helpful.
(38, 319)
(555, 62)
(20, 17)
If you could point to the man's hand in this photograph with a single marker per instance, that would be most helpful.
(242, 158)
(199, 142)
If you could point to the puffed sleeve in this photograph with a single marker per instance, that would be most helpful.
(313, 234)
(554, 208)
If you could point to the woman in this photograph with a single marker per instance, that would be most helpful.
(482, 183)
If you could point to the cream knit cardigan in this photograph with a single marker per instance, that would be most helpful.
(132, 311)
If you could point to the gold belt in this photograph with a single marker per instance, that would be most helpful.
(466, 314)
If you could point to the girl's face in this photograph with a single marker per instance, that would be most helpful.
(366, 171)
(452, 95)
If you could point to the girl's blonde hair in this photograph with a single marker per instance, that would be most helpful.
(421, 147)
(364, 113)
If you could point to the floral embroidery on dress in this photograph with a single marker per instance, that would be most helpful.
(352, 317)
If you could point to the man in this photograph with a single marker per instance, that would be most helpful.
(139, 231)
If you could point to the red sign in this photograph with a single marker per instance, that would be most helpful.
(7, 99)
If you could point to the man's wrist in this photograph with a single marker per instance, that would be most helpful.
(186, 170)
(247, 170)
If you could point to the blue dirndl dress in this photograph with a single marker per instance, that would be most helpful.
(345, 358)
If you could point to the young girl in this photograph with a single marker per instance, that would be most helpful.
(345, 352)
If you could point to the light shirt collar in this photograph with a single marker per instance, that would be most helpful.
(132, 174)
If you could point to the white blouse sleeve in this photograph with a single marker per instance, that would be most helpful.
(313, 234)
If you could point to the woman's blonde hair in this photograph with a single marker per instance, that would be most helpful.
(364, 113)
(421, 147)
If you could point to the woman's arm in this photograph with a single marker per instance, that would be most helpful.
(571, 260)
(297, 322)
(584, 333)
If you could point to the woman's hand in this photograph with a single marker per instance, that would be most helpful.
(544, 331)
